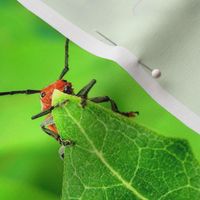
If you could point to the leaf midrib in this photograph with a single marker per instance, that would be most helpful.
(103, 160)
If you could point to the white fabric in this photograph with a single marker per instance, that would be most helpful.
(163, 34)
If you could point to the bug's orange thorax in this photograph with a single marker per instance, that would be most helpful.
(46, 93)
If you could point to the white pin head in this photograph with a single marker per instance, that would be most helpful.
(156, 73)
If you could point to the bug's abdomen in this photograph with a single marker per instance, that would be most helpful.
(53, 128)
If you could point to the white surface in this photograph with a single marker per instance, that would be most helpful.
(161, 33)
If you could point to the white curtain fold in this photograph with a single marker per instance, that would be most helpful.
(163, 34)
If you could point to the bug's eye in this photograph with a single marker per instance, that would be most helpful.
(67, 89)
(42, 94)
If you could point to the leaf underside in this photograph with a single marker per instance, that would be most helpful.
(117, 159)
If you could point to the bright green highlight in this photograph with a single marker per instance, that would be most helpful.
(116, 158)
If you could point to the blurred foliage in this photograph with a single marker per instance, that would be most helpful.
(29, 162)
(32, 56)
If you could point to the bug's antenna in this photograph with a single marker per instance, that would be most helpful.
(66, 67)
(20, 92)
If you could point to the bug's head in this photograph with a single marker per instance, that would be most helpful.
(46, 93)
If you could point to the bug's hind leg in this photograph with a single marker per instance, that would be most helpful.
(83, 93)
(113, 105)
(49, 121)
(61, 152)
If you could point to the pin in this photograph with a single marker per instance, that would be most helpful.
(155, 73)
(109, 40)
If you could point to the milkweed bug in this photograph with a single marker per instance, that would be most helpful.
(64, 86)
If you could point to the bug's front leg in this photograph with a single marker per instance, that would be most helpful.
(113, 106)
(83, 93)
(48, 111)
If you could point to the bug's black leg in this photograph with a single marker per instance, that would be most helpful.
(83, 93)
(51, 133)
(47, 122)
(113, 105)
(85, 90)
(66, 67)
(43, 113)
(48, 111)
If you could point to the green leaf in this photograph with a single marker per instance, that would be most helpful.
(115, 158)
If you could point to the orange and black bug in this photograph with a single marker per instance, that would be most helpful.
(48, 125)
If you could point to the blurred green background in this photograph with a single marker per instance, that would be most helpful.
(32, 56)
